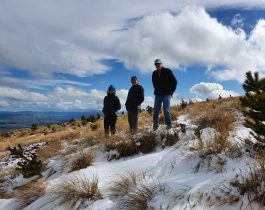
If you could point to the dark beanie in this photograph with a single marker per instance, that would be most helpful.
(111, 87)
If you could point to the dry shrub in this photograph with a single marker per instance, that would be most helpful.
(77, 192)
(169, 139)
(127, 182)
(220, 120)
(144, 143)
(123, 148)
(27, 194)
(50, 150)
(138, 199)
(83, 160)
(217, 144)
(251, 184)
(210, 153)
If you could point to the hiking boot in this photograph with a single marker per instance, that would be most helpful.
(169, 127)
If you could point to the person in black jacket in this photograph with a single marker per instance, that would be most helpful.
(165, 84)
(133, 103)
(110, 106)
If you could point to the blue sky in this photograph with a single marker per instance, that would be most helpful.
(63, 55)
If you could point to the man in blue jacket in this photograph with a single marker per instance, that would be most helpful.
(165, 84)
(133, 103)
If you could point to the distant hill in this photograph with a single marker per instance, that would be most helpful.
(23, 119)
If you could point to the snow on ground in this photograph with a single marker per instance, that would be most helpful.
(172, 167)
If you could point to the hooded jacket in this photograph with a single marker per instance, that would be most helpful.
(111, 104)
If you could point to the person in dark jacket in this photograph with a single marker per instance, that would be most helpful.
(165, 84)
(111, 105)
(133, 103)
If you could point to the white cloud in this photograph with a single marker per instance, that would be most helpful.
(19, 94)
(4, 104)
(74, 37)
(211, 90)
(237, 21)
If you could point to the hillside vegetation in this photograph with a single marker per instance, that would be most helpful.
(207, 142)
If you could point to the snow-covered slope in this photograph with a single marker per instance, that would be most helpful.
(181, 177)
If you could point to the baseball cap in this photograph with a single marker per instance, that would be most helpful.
(158, 61)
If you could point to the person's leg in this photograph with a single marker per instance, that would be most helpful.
(134, 121)
(166, 109)
(113, 120)
(106, 125)
(129, 113)
(157, 108)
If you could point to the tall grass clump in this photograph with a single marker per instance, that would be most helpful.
(144, 143)
(138, 199)
(127, 183)
(82, 160)
(27, 194)
(252, 184)
(75, 193)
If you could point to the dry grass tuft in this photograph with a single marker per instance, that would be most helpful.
(126, 183)
(76, 193)
(119, 148)
(83, 160)
(220, 120)
(169, 139)
(51, 149)
(251, 184)
(27, 194)
(138, 199)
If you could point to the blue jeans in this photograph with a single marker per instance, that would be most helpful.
(165, 99)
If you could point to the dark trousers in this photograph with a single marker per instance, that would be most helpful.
(133, 120)
(109, 124)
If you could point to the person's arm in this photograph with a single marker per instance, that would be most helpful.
(153, 80)
(118, 104)
(140, 95)
(173, 82)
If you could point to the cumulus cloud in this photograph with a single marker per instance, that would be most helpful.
(76, 39)
(211, 90)
(19, 94)
(4, 104)
(237, 21)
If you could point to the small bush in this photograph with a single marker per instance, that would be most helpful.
(127, 183)
(83, 160)
(169, 139)
(28, 165)
(77, 192)
(138, 199)
(220, 120)
(251, 184)
(27, 194)
(34, 127)
(139, 143)
(94, 126)
(149, 110)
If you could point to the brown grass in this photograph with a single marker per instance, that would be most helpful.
(76, 191)
(138, 199)
(128, 147)
(28, 193)
(250, 183)
(83, 160)
(127, 182)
